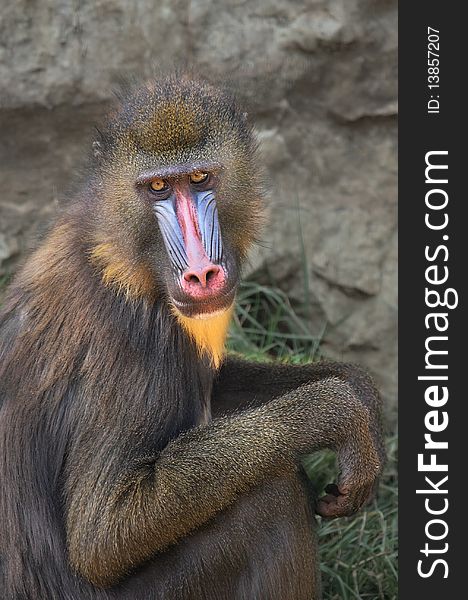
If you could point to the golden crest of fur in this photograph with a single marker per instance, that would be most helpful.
(133, 280)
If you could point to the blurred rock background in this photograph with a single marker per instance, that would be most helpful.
(319, 78)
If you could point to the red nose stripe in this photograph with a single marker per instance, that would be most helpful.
(188, 221)
(202, 278)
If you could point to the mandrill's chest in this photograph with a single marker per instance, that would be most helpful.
(172, 400)
(155, 380)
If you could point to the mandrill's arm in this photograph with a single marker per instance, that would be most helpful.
(242, 384)
(123, 508)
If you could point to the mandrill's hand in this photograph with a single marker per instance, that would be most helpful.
(360, 469)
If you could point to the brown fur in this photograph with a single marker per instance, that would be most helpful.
(116, 484)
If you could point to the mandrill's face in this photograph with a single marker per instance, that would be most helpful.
(203, 273)
(180, 198)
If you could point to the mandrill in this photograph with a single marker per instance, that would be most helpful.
(137, 461)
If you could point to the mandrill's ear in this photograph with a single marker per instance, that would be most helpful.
(98, 145)
(97, 150)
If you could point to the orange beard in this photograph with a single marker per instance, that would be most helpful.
(208, 334)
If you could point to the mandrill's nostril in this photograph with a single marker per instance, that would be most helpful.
(211, 273)
(203, 277)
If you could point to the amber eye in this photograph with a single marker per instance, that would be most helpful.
(198, 177)
(158, 185)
